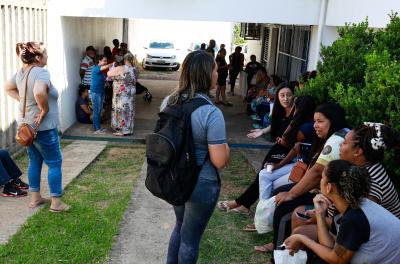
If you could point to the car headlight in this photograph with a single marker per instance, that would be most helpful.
(148, 56)
(173, 57)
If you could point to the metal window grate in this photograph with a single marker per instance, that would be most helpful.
(250, 31)
(265, 47)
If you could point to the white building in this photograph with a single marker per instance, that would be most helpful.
(288, 40)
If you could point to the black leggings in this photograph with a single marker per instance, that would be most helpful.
(233, 74)
(251, 194)
(283, 213)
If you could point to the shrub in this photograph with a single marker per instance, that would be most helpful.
(361, 71)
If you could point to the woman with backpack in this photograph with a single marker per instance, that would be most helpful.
(199, 76)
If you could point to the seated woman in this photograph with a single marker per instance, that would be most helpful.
(303, 124)
(9, 176)
(83, 113)
(282, 115)
(330, 127)
(363, 146)
(363, 231)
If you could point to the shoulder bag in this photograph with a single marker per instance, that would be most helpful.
(299, 169)
(26, 133)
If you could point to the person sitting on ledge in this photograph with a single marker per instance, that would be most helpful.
(83, 113)
(9, 176)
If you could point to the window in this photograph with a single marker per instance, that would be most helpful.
(250, 31)
(161, 45)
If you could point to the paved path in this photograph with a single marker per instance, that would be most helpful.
(148, 222)
(145, 230)
(76, 157)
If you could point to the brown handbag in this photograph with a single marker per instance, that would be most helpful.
(299, 169)
(26, 133)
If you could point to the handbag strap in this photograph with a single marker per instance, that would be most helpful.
(26, 91)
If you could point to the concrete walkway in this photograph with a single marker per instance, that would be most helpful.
(145, 230)
(144, 233)
(76, 157)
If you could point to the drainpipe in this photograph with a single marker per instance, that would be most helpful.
(321, 25)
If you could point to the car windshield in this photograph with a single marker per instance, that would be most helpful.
(161, 45)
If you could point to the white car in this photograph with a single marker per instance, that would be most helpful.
(161, 54)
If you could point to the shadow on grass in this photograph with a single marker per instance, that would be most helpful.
(224, 241)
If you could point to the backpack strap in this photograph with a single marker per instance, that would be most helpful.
(190, 106)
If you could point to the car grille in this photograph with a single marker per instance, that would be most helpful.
(160, 63)
(159, 57)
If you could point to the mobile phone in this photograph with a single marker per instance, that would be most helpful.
(303, 216)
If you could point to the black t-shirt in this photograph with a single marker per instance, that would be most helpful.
(80, 114)
(252, 67)
(211, 51)
(236, 60)
(354, 229)
(221, 62)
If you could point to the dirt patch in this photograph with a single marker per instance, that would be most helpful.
(115, 153)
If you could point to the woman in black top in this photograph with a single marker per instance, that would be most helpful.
(282, 115)
(222, 75)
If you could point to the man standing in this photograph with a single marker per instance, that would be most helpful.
(211, 47)
(236, 62)
(251, 69)
(87, 66)
(115, 50)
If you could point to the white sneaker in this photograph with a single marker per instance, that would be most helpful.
(99, 132)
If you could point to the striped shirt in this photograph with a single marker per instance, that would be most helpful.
(87, 65)
(383, 189)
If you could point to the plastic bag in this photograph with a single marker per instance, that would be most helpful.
(283, 257)
(264, 216)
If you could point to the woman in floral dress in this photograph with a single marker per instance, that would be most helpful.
(123, 101)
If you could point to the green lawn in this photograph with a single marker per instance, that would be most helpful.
(99, 198)
(224, 241)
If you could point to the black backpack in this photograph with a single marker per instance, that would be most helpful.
(172, 171)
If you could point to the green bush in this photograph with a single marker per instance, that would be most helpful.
(342, 62)
(361, 71)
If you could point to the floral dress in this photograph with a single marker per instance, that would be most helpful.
(123, 101)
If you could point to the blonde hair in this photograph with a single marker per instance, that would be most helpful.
(195, 76)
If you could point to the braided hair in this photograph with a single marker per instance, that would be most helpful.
(352, 182)
(374, 139)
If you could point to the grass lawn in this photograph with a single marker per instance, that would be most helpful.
(224, 241)
(99, 198)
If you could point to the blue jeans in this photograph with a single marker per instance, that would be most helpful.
(97, 103)
(45, 148)
(8, 169)
(191, 221)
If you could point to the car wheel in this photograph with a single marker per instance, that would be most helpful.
(176, 68)
(144, 65)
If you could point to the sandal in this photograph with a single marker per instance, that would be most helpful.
(264, 248)
(241, 210)
(63, 208)
(38, 203)
(250, 228)
(223, 206)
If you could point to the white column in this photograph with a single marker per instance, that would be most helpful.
(321, 25)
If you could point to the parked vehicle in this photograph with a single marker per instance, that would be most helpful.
(161, 54)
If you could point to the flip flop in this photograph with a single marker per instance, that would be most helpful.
(264, 248)
(39, 202)
(64, 208)
(223, 206)
(250, 228)
(237, 210)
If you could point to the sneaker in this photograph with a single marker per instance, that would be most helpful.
(19, 184)
(99, 132)
(10, 191)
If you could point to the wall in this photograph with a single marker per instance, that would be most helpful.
(354, 11)
(259, 11)
(68, 38)
(20, 21)
(329, 35)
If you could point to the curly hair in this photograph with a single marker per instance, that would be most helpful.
(352, 182)
(363, 136)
